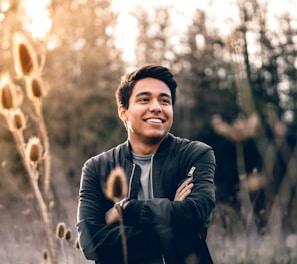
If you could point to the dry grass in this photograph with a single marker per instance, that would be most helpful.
(230, 242)
(22, 233)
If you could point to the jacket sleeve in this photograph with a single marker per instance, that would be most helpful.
(182, 225)
(196, 209)
(102, 242)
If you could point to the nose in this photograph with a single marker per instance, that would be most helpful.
(155, 106)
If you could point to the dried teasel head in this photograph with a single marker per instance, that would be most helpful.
(60, 230)
(240, 130)
(24, 56)
(116, 186)
(34, 150)
(67, 235)
(76, 244)
(10, 94)
(16, 120)
(45, 255)
(35, 88)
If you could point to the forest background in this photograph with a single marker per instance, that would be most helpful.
(237, 92)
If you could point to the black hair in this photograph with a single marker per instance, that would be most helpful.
(129, 80)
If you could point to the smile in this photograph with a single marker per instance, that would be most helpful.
(154, 121)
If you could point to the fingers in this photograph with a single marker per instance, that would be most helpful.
(112, 216)
(184, 184)
(184, 190)
(187, 181)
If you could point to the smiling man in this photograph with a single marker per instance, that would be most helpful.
(171, 192)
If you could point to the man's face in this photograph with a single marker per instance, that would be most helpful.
(150, 113)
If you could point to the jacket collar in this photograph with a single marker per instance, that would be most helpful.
(163, 148)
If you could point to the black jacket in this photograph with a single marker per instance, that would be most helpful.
(157, 227)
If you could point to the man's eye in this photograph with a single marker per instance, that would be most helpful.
(165, 101)
(143, 100)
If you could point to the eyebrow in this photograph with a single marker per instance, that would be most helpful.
(148, 93)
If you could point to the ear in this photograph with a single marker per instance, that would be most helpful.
(122, 113)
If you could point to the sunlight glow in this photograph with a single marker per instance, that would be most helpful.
(183, 10)
(277, 8)
(40, 22)
(123, 41)
(220, 13)
(222, 16)
(4, 6)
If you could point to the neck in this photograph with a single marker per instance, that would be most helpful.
(145, 148)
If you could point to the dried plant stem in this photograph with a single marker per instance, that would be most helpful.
(123, 234)
(244, 92)
(32, 152)
(43, 208)
(63, 250)
(45, 217)
(47, 159)
(246, 204)
(282, 198)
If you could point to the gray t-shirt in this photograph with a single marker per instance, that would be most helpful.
(145, 190)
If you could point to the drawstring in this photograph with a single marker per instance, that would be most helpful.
(151, 190)
(130, 181)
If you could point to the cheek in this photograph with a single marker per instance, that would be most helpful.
(169, 113)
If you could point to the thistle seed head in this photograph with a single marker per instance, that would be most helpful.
(60, 230)
(34, 150)
(35, 88)
(240, 130)
(67, 235)
(11, 95)
(24, 56)
(6, 97)
(17, 120)
(45, 255)
(76, 244)
(116, 185)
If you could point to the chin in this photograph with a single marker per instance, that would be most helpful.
(155, 137)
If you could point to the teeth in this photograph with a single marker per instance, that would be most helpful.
(154, 120)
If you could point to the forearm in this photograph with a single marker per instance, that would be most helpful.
(103, 242)
(195, 210)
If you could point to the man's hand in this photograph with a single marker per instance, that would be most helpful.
(112, 215)
(184, 190)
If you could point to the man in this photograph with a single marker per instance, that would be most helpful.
(171, 191)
